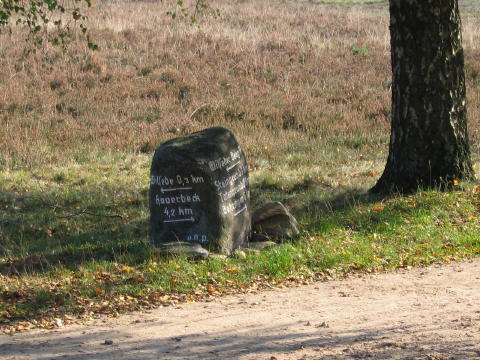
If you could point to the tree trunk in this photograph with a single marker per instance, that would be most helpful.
(429, 140)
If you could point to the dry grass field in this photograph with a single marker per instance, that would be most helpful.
(279, 74)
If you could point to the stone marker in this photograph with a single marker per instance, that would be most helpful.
(199, 192)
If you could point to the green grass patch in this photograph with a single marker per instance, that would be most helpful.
(74, 240)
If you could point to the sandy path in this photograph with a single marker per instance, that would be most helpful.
(431, 313)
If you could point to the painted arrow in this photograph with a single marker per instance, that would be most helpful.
(232, 166)
(174, 189)
(241, 210)
(179, 220)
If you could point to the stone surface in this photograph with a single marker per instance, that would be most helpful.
(258, 238)
(199, 192)
(250, 251)
(179, 248)
(260, 245)
(274, 220)
(218, 256)
(239, 253)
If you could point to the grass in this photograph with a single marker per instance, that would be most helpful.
(87, 265)
(305, 88)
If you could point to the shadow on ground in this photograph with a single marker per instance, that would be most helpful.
(264, 343)
(40, 231)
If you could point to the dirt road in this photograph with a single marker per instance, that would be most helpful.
(431, 313)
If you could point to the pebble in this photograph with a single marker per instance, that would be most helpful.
(240, 254)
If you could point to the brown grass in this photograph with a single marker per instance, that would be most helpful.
(280, 74)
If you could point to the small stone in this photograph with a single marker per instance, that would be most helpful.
(174, 130)
(262, 245)
(108, 342)
(259, 238)
(178, 248)
(58, 322)
(268, 210)
(250, 251)
(239, 254)
(218, 256)
(274, 220)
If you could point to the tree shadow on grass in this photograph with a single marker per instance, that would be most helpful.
(71, 259)
(40, 231)
(327, 211)
(311, 194)
(360, 210)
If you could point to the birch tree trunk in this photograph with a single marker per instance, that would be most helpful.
(429, 143)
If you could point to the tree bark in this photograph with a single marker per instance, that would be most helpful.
(429, 144)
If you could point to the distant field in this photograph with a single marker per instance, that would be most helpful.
(304, 86)
(464, 4)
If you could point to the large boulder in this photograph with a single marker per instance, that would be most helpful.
(199, 192)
